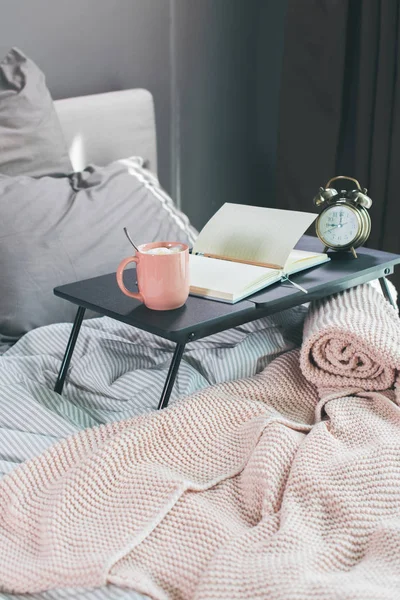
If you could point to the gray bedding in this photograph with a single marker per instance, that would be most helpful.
(58, 230)
(116, 372)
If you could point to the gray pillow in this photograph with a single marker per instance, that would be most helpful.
(31, 140)
(59, 230)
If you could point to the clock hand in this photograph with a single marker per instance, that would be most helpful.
(336, 226)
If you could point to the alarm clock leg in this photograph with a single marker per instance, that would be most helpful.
(326, 248)
(354, 253)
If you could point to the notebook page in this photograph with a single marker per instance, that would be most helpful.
(296, 256)
(253, 233)
(225, 276)
(302, 259)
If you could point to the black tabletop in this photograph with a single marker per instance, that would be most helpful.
(200, 317)
(342, 272)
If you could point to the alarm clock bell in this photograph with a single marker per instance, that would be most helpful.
(344, 223)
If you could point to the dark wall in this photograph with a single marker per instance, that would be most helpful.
(216, 49)
(213, 67)
(270, 43)
(229, 59)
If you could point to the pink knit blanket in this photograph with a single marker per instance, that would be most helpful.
(240, 491)
(352, 340)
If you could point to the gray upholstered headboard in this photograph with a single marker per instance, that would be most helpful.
(104, 127)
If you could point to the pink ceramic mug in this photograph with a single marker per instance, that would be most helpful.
(163, 279)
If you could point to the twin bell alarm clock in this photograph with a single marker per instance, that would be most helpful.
(344, 223)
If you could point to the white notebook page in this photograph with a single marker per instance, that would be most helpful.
(225, 276)
(253, 233)
(303, 259)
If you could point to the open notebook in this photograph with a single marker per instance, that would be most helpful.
(243, 249)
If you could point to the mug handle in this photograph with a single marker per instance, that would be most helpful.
(120, 278)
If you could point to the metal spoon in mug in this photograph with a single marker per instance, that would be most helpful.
(130, 239)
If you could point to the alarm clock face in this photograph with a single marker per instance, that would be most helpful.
(338, 226)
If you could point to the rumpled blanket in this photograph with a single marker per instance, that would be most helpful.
(268, 487)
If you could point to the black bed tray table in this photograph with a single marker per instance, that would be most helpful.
(201, 317)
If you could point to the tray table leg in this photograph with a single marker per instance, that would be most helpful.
(172, 372)
(386, 291)
(70, 349)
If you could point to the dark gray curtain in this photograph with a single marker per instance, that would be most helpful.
(339, 106)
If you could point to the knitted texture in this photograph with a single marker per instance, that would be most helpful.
(241, 491)
(351, 340)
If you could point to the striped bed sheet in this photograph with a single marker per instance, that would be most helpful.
(116, 372)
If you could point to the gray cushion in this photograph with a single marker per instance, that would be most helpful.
(31, 140)
(59, 230)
